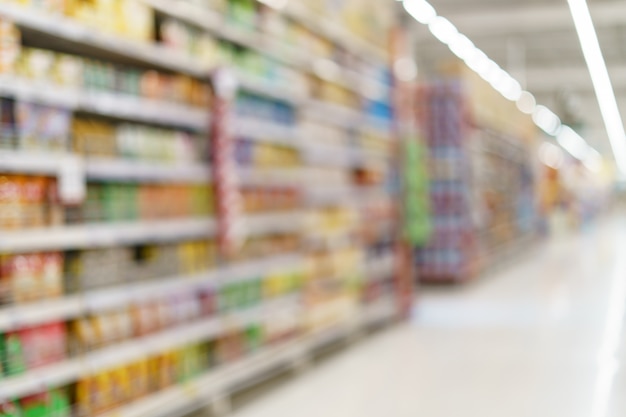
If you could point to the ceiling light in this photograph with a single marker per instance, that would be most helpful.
(443, 29)
(594, 161)
(526, 102)
(421, 10)
(462, 46)
(477, 61)
(546, 120)
(601, 82)
(574, 144)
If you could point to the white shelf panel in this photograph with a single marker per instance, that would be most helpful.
(76, 33)
(31, 163)
(136, 349)
(104, 169)
(72, 306)
(128, 170)
(102, 235)
(228, 379)
(106, 104)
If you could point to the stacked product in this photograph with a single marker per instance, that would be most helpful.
(450, 254)
(482, 182)
(114, 294)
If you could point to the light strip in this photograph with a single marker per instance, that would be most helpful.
(601, 82)
(510, 88)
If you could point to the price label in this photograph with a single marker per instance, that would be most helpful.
(72, 180)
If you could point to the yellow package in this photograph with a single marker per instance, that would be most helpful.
(86, 393)
(134, 20)
(35, 64)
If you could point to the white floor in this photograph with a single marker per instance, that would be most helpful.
(541, 339)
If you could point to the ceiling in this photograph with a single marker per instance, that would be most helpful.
(535, 40)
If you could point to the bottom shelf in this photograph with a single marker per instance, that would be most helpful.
(229, 379)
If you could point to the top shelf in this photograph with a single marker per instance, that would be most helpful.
(333, 31)
(79, 35)
(212, 22)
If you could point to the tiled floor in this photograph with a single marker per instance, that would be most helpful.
(540, 339)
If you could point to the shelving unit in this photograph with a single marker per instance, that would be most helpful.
(314, 165)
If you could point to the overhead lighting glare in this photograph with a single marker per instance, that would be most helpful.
(574, 144)
(442, 29)
(526, 102)
(462, 47)
(546, 120)
(421, 10)
(601, 82)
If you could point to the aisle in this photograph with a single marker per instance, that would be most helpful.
(540, 339)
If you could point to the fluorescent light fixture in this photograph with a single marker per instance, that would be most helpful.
(601, 81)
(443, 29)
(546, 120)
(526, 102)
(593, 161)
(421, 10)
(574, 144)
(477, 61)
(462, 47)
(511, 89)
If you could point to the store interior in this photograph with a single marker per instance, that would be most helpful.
(272, 208)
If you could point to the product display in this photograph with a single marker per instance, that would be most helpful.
(115, 288)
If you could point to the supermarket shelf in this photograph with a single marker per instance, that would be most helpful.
(379, 268)
(280, 222)
(345, 117)
(55, 27)
(102, 235)
(231, 378)
(275, 90)
(129, 170)
(266, 131)
(270, 176)
(345, 194)
(213, 22)
(133, 350)
(342, 156)
(337, 115)
(264, 44)
(72, 306)
(105, 104)
(104, 169)
(31, 163)
(333, 31)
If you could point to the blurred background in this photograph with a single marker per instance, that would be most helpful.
(303, 208)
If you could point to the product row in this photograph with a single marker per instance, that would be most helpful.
(32, 202)
(111, 388)
(30, 277)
